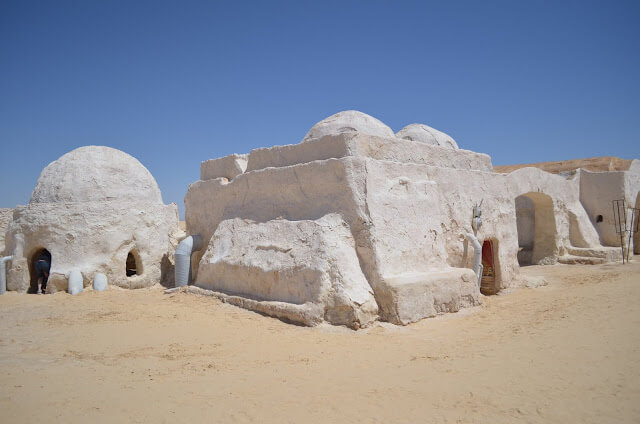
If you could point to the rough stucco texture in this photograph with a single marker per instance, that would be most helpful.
(311, 266)
(5, 218)
(407, 205)
(90, 209)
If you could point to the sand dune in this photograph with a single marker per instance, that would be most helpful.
(568, 352)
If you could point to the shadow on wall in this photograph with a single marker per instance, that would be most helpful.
(536, 229)
(167, 272)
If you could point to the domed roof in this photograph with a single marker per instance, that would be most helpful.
(95, 174)
(426, 134)
(349, 121)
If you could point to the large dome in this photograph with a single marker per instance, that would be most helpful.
(425, 134)
(349, 121)
(95, 174)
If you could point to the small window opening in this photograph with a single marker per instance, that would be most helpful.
(599, 218)
(132, 266)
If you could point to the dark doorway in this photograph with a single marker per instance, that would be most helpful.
(131, 266)
(488, 284)
(39, 267)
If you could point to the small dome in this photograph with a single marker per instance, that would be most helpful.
(349, 121)
(425, 134)
(95, 174)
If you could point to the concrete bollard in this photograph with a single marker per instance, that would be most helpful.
(3, 273)
(100, 282)
(75, 281)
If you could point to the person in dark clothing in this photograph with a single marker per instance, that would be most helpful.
(42, 267)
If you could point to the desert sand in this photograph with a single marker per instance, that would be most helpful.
(568, 352)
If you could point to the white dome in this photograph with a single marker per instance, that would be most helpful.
(95, 174)
(425, 134)
(349, 121)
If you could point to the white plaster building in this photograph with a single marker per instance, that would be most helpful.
(98, 210)
(353, 224)
(407, 200)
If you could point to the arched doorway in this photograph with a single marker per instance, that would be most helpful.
(133, 265)
(39, 267)
(488, 283)
(536, 226)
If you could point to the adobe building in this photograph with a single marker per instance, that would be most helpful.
(601, 180)
(356, 223)
(96, 210)
(351, 225)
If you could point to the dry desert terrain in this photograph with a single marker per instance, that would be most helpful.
(568, 352)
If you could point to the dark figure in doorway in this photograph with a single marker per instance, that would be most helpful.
(42, 267)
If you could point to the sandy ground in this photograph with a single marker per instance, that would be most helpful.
(565, 353)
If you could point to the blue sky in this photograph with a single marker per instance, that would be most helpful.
(174, 83)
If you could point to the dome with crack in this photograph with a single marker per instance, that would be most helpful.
(425, 134)
(348, 121)
(95, 174)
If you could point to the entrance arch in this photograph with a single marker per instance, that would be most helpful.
(133, 264)
(489, 279)
(40, 253)
(536, 226)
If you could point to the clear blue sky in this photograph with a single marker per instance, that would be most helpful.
(177, 82)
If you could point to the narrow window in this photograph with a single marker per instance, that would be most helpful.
(599, 218)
